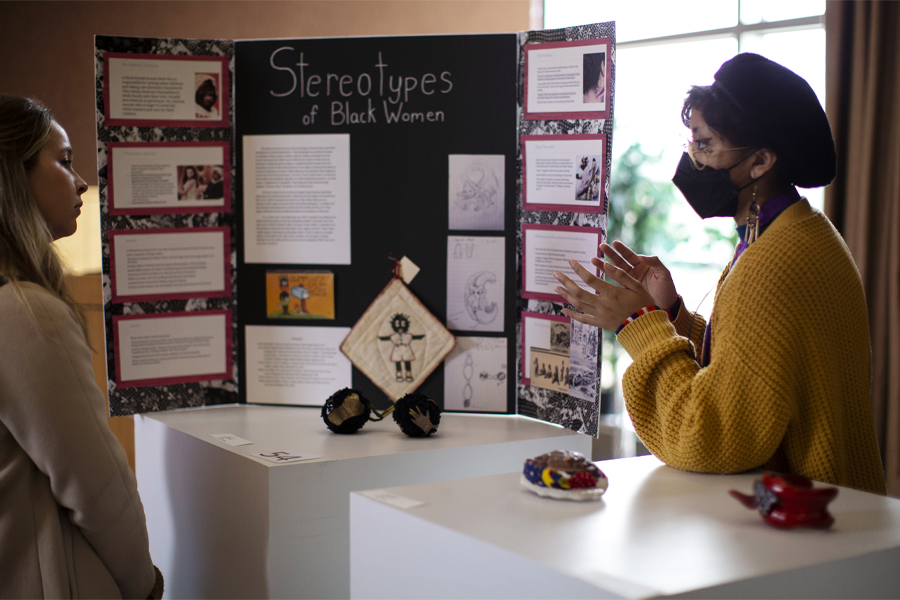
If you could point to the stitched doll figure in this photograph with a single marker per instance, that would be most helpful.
(402, 355)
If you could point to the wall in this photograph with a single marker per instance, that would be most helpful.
(46, 48)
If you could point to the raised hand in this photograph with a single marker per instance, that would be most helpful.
(611, 305)
(648, 270)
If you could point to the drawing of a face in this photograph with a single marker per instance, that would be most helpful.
(400, 323)
(478, 187)
(468, 191)
(476, 297)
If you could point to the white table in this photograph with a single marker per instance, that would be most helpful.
(656, 532)
(224, 524)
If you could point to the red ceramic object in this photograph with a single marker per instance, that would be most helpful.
(788, 501)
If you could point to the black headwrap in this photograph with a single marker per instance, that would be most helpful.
(786, 113)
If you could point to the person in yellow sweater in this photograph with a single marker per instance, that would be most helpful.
(780, 376)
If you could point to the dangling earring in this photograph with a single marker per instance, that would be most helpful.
(752, 232)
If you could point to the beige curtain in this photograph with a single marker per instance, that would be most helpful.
(863, 97)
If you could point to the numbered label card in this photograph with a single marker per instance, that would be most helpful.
(283, 457)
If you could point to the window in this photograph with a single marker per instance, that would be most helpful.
(664, 47)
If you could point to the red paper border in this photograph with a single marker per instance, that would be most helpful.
(525, 227)
(225, 88)
(170, 380)
(170, 210)
(525, 379)
(116, 298)
(593, 114)
(564, 207)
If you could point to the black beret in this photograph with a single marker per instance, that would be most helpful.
(786, 113)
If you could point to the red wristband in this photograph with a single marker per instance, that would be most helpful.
(643, 311)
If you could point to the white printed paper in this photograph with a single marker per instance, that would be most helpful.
(297, 199)
(392, 499)
(295, 365)
(476, 192)
(558, 82)
(173, 176)
(172, 347)
(475, 375)
(564, 172)
(158, 89)
(190, 261)
(476, 283)
(548, 251)
(231, 439)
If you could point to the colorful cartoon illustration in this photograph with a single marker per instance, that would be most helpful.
(402, 355)
(300, 295)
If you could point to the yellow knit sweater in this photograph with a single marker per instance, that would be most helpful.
(788, 384)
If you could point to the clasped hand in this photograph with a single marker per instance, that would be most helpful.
(642, 281)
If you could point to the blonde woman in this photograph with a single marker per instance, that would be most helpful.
(71, 521)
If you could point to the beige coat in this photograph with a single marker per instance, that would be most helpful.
(71, 521)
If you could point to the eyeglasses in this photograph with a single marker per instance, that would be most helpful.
(692, 149)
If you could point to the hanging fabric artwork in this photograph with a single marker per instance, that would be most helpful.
(397, 342)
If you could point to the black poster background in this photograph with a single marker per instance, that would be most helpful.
(398, 170)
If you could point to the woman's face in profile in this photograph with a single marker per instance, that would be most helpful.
(55, 186)
(597, 94)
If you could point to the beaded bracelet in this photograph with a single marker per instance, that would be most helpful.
(643, 311)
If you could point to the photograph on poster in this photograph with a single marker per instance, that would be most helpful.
(295, 365)
(476, 283)
(476, 191)
(538, 332)
(549, 370)
(165, 178)
(547, 249)
(199, 182)
(299, 295)
(155, 89)
(162, 349)
(567, 80)
(564, 172)
(475, 375)
(206, 96)
(593, 77)
(170, 264)
(297, 199)
(583, 354)
(587, 178)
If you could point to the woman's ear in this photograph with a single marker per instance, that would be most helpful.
(763, 163)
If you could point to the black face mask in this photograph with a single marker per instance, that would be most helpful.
(710, 192)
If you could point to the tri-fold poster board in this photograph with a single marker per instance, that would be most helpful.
(255, 196)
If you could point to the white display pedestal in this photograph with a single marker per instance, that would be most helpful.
(224, 524)
(656, 532)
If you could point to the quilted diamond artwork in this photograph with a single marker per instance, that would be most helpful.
(397, 342)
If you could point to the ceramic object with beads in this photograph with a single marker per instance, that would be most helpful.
(563, 475)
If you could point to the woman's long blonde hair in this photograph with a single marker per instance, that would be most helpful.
(26, 252)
